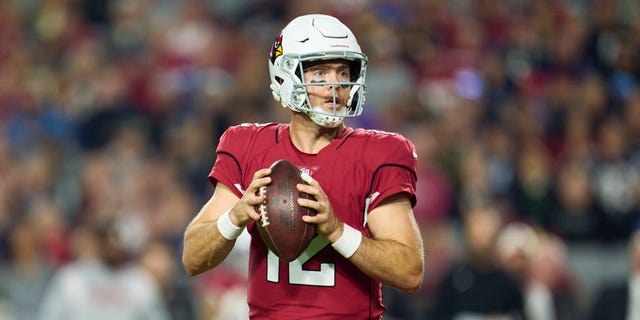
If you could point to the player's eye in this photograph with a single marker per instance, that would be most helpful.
(316, 76)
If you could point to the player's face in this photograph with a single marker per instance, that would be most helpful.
(323, 94)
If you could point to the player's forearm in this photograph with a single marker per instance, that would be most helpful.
(391, 263)
(204, 247)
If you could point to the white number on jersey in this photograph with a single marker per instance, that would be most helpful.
(325, 277)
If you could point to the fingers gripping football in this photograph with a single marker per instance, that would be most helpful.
(327, 223)
(243, 212)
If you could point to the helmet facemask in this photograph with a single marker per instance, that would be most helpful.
(342, 106)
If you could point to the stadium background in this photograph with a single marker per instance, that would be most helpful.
(109, 107)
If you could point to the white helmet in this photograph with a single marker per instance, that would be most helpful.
(310, 38)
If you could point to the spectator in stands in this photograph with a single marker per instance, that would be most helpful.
(621, 300)
(615, 180)
(550, 288)
(479, 286)
(24, 277)
(103, 286)
(575, 216)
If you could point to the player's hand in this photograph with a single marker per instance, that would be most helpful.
(243, 212)
(327, 223)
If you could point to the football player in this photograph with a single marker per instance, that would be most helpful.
(363, 181)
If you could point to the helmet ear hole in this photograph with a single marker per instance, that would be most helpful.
(279, 80)
(355, 68)
(299, 73)
(354, 101)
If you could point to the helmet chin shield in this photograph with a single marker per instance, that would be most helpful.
(324, 119)
(313, 38)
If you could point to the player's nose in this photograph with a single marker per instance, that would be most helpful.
(335, 78)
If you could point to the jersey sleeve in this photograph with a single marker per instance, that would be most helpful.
(237, 148)
(227, 168)
(397, 172)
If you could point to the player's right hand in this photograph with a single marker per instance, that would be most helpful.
(244, 212)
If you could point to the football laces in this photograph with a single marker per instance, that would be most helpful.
(264, 219)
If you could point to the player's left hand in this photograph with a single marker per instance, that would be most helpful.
(327, 223)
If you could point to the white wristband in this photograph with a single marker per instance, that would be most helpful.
(227, 229)
(349, 241)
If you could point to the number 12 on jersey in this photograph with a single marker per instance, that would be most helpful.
(325, 277)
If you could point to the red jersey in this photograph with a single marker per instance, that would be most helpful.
(357, 171)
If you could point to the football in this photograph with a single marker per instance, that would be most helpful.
(280, 225)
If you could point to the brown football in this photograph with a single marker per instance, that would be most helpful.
(280, 225)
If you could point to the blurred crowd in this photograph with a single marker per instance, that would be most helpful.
(525, 115)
